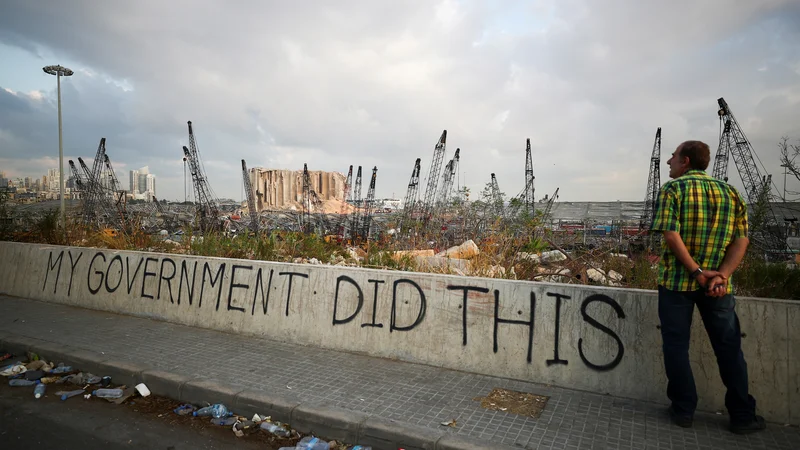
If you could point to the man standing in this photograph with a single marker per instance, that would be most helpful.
(704, 222)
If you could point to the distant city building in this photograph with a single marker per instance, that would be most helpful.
(53, 179)
(142, 184)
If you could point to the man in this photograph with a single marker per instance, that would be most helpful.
(704, 222)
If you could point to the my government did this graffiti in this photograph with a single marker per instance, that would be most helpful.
(245, 287)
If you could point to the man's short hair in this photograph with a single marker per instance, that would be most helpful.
(698, 153)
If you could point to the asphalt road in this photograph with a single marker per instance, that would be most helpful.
(27, 423)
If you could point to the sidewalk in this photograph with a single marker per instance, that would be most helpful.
(423, 396)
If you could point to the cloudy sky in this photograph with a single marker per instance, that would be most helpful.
(374, 83)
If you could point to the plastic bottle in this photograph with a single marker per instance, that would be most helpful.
(38, 391)
(361, 447)
(312, 443)
(21, 382)
(275, 429)
(108, 393)
(70, 394)
(215, 411)
(224, 421)
(62, 369)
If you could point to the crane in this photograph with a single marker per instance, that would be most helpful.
(369, 205)
(411, 196)
(529, 199)
(343, 211)
(723, 153)
(207, 209)
(549, 207)
(306, 200)
(496, 198)
(433, 177)
(653, 184)
(448, 177)
(354, 220)
(251, 199)
(764, 226)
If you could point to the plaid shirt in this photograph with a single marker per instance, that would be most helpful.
(708, 214)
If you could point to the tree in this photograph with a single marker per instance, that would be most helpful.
(789, 157)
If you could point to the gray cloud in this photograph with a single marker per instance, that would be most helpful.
(374, 83)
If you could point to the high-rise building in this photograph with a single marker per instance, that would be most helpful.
(143, 184)
(53, 179)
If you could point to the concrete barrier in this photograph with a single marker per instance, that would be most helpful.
(590, 338)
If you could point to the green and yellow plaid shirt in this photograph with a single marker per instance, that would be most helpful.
(708, 214)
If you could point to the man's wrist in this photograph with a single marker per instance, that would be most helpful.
(697, 272)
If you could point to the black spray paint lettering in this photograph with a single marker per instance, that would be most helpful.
(52, 265)
(466, 290)
(185, 276)
(556, 359)
(289, 291)
(374, 306)
(264, 292)
(347, 319)
(218, 277)
(589, 319)
(118, 259)
(146, 274)
(422, 307)
(529, 323)
(73, 264)
(128, 273)
(235, 285)
(168, 279)
(96, 272)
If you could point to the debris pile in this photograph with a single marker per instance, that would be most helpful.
(66, 382)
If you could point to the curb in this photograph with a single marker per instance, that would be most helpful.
(330, 422)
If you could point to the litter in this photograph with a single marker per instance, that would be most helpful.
(184, 410)
(218, 410)
(141, 388)
(69, 394)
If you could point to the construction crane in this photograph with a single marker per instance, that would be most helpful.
(433, 177)
(529, 200)
(81, 188)
(206, 206)
(653, 184)
(549, 207)
(411, 196)
(723, 153)
(118, 194)
(496, 198)
(251, 199)
(369, 206)
(305, 219)
(764, 225)
(448, 177)
(354, 218)
(343, 211)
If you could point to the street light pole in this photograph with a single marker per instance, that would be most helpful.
(60, 71)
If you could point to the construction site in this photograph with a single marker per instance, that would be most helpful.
(438, 227)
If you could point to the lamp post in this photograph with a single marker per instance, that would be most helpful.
(60, 71)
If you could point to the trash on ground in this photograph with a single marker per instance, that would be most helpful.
(126, 394)
(13, 369)
(21, 382)
(105, 381)
(5, 356)
(361, 447)
(184, 410)
(451, 423)
(39, 390)
(275, 428)
(34, 375)
(69, 394)
(218, 410)
(142, 389)
(242, 427)
(61, 368)
(108, 393)
(224, 421)
(312, 443)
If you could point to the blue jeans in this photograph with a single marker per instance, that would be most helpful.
(675, 311)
